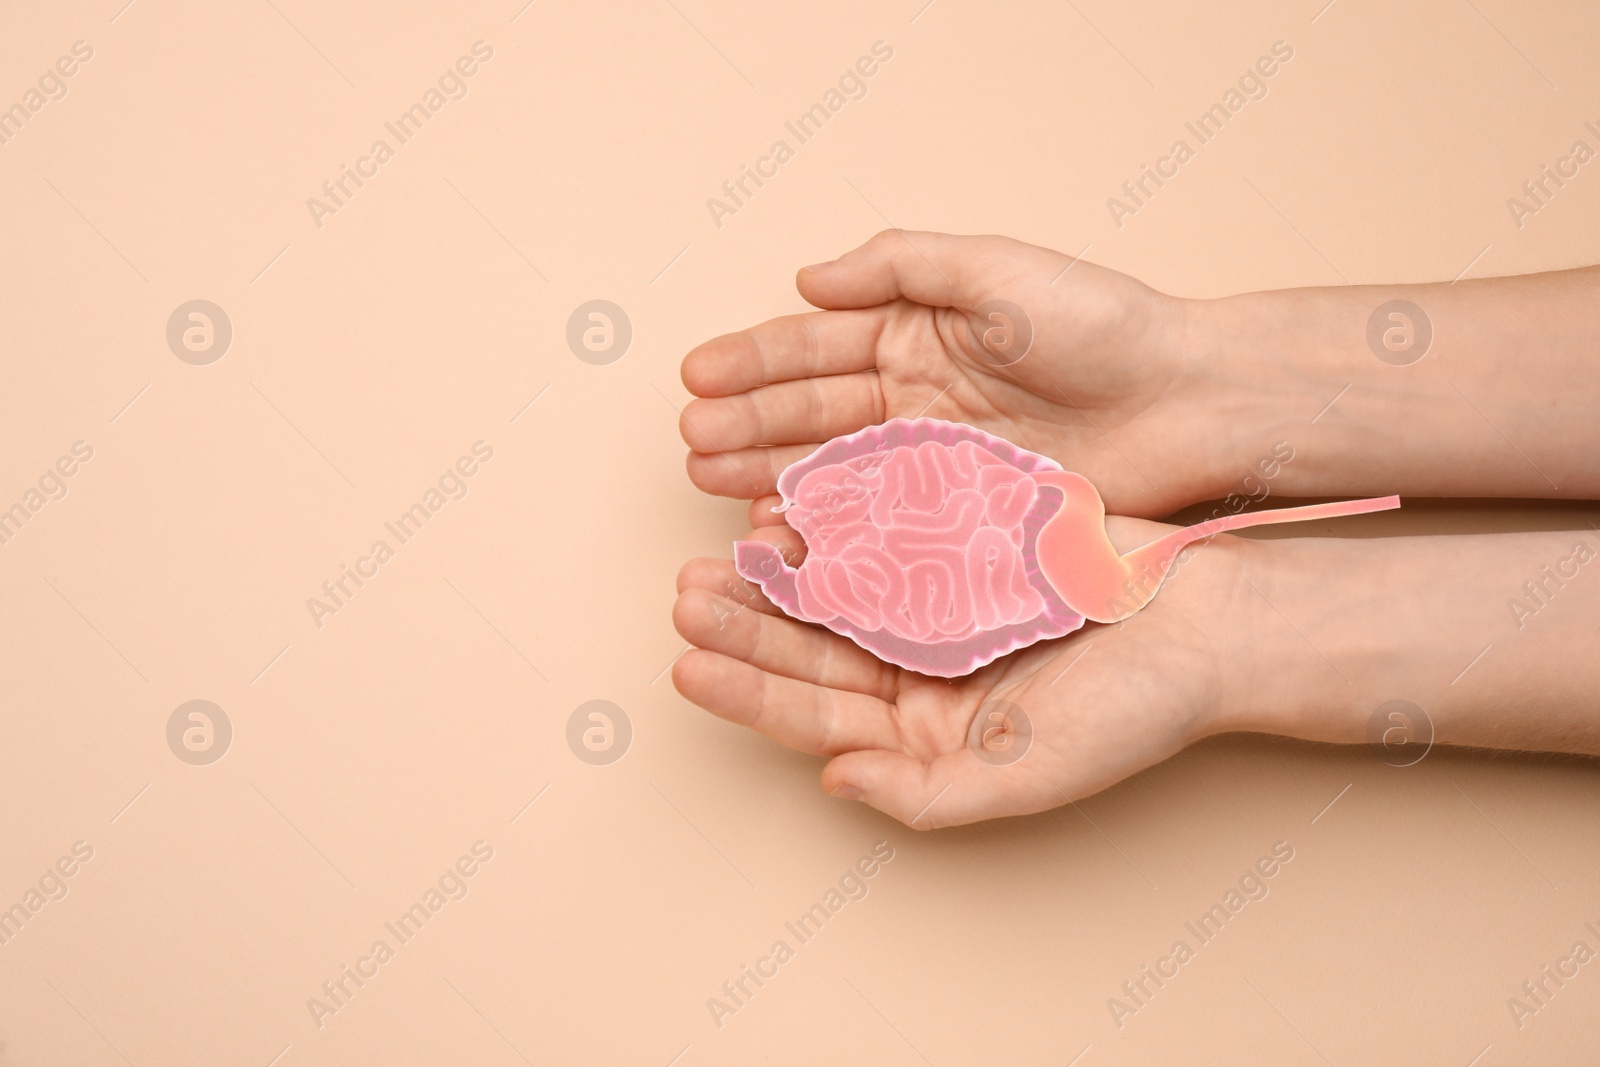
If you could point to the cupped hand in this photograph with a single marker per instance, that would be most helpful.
(1074, 361)
(1102, 703)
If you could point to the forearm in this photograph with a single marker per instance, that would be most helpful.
(1495, 636)
(1504, 402)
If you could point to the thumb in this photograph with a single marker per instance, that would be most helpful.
(951, 790)
(936, 269)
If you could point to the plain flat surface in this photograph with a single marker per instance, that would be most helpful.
(371, 352)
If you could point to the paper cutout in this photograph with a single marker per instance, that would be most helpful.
(940, 548)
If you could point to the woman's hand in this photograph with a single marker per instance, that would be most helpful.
(1101, 704)
(1303, 637)
(1071, 360)
(1482, 388)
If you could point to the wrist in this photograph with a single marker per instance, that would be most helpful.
(1305, 657)
(1333, 373)
(1212, 599)
(1490, 635)
(1251, 384)
(1308, 634)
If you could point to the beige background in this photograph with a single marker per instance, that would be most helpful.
(371, 352)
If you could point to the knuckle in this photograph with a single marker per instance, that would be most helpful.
(813, 347)
(885, 236)
(683, 614)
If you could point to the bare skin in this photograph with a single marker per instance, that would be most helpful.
(897, 738)
(1161, 402)
(898, 344)
(1246, 635)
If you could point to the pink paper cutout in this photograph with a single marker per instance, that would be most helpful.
(940, 548)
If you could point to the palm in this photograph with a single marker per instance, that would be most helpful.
(1102, 703)
(1105, 389)
(1096, 389)
(1063, 399)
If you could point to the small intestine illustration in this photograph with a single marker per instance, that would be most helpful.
(939, 548)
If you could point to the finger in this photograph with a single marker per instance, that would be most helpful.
(779, 645)
(784, 349)
(761, 513)
(951, 790)
(788, 413)
(744, 473)
(786, 539)
(798, 714)
(719, 576)
(937, 269)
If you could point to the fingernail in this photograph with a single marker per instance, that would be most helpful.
(821, 266)
(847, 791)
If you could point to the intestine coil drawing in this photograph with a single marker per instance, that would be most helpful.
(939, 548)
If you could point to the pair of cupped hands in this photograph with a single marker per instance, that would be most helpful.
(1114, 385)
